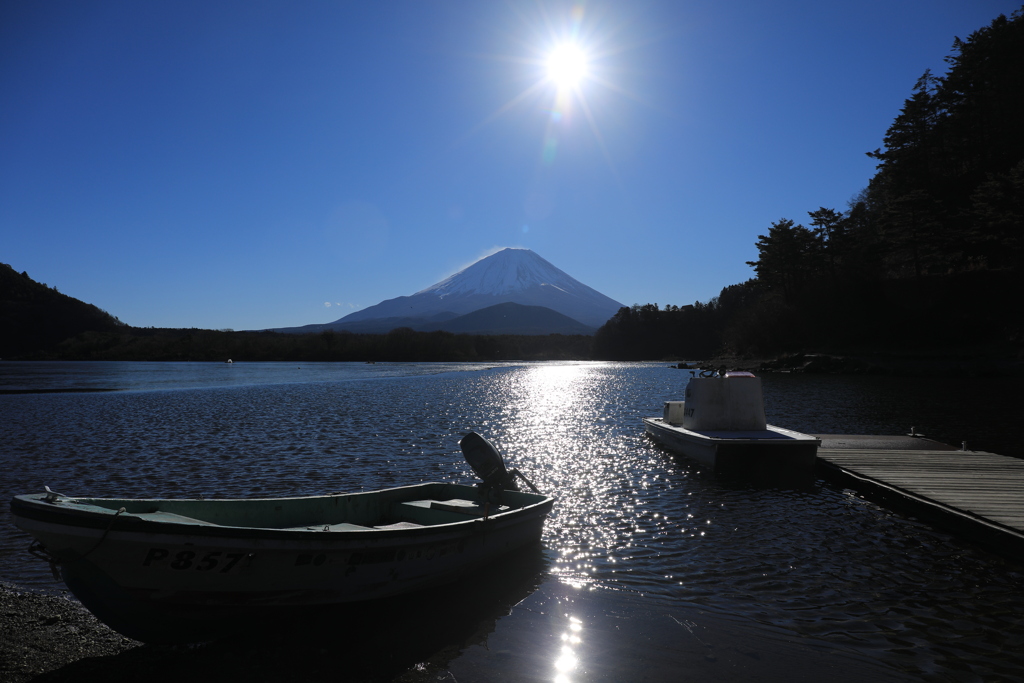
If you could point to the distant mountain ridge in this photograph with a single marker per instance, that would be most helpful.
(506, 318)
(509, 276)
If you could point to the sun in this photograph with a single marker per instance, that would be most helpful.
(567, 66)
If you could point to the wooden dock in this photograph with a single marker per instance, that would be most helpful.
(973, 494)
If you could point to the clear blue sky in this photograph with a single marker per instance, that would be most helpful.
(242, 164)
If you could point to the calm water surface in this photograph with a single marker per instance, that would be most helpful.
(632, 521)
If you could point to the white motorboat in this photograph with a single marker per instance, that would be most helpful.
(722, 424)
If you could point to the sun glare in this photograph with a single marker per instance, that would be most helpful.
(568, 60)
(567, 65)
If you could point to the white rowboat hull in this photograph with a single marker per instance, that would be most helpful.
(160, 567)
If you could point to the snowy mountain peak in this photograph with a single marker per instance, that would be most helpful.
(504, 272)
(509, 276)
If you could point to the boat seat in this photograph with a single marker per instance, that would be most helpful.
(467, 507)
(170, 517)
(399, 525)
(461, 506)
(431, 512)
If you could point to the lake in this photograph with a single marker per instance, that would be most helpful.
(648, 564)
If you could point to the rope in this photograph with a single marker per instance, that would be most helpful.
(38, 550)
(105, 532)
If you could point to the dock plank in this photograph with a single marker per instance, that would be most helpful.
(964, 487)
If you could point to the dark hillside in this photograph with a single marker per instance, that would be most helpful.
(512, 318)
(34, 317)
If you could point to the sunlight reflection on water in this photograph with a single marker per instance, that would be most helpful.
(564, 423)
(567, 660)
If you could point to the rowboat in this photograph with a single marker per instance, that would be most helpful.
(722, 425)
(180, 570)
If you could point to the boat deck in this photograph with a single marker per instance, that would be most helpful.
(974, 494)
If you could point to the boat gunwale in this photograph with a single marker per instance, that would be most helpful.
(35, 507)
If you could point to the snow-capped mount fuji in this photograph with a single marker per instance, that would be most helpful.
(507, 272)
(508, 276)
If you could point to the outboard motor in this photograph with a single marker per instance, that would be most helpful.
(488, 464)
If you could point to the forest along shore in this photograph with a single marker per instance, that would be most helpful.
(969, 363)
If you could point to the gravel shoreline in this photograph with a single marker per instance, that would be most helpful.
(50, 638)
(43, 634)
